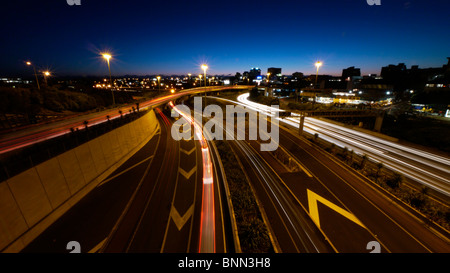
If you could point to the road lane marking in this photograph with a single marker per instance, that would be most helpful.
(179, 220)
(187, 175)
(313, 198)
(124, 171)
(98, 246)
(188, 152)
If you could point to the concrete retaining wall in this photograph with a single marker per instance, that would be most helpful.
(33, 199)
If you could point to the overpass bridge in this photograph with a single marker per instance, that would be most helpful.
(377, 114)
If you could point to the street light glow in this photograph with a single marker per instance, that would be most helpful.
(318, 64)
(106, 56)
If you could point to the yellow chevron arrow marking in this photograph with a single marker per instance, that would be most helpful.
(181, 220)
(186, 151)
(313, 198)
(187, 175)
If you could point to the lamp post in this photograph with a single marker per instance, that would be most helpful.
(204, 67)
(46, 74)
(318, 64)
(107, 56)
(34, 69)
(159, 83)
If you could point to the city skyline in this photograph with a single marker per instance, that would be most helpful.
(177, 37)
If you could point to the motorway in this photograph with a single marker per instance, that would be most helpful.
(427, 168)
(169, 198)
(293, 228)
(347, 210)
(152, 203)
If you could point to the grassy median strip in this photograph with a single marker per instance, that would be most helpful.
(253, 234)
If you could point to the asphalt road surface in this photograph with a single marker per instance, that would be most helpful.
(152, 203)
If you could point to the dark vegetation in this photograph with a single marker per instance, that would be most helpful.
(427, 131)
(30, 103)
(252, 231)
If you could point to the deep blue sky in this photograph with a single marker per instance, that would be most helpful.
(175, 37)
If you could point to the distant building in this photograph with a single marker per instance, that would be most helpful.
(349, 73)
(404, 79)
(391, 71)
(274, 71)
(254, 73)
(297, 75)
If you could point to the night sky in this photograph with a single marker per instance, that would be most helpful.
(176, 37)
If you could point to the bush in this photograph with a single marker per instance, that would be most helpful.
(395, 180)
(417, 200)
(53, 104)
(253, 236)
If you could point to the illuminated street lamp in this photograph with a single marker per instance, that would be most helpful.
(46, 74)
(204, 67)
(159, 84)
(35, 74)
(107, 56)
(318, 64)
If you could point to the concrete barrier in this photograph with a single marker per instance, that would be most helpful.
(32, 200)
